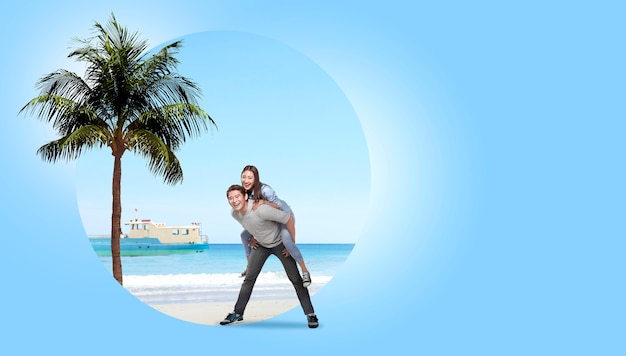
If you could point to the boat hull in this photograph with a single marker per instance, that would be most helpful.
(145, 247)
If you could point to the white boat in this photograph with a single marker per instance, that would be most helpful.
(146, 237)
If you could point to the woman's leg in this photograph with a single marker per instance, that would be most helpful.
(294, 251)
(245, 241)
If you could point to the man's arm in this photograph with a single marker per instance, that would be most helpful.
(268, 212)
(278, 215)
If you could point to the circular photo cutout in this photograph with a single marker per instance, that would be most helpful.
(281, 132)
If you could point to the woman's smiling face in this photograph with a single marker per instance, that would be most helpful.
(247, 180)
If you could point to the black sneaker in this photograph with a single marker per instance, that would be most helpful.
(231, 318)
(312, 319)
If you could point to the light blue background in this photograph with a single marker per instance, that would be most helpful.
(495, 135)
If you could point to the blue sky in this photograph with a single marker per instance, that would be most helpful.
(274, 108)
(472, 149)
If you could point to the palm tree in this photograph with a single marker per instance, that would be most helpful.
(128, 101)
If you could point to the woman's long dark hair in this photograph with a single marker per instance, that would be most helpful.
(256, 188)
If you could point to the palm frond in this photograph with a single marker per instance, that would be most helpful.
(161, 158)
(72, 145)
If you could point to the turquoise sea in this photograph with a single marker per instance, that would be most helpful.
(213, 275)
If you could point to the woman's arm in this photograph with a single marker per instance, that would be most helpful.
(270, 196)
(259, 202)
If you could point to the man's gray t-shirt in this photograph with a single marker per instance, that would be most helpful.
(263, 223)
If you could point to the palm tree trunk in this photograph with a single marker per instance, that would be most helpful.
(116, 217)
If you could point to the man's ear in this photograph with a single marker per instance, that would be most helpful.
(246, 195)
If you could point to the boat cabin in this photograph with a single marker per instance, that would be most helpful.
(166, 234)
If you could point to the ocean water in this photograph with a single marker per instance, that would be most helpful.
(213, 275)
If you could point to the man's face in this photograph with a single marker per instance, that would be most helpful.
(236, 200)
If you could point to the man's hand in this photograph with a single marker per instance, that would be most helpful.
(286, 253)
(253, 243)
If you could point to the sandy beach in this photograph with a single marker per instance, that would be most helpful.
(212, 313)
(203, 288)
